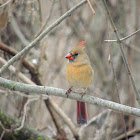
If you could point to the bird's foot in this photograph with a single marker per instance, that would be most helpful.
(83, 93)
(68, 91)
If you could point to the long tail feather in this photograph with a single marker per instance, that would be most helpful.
(81, 113)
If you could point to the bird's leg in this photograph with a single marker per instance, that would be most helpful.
(83, 93)
(68, 91)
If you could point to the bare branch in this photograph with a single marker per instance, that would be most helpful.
(122, 39)
(91, 7)
(24, 113)
(122, 51)
(65, 118)
(2, 134)
(129, 134)
(94, 119)
(48, 18)
(18, 32)
(5, 3)
(20, 75)
(43, 34)
(26, 63)
(16, 86)
(102, 133)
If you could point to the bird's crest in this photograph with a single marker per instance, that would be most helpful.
(81, 43)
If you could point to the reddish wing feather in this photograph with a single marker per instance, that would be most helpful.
(81, 43)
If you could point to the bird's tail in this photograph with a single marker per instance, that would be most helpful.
(81, 113)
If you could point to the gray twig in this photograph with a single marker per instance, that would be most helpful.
(48, 18)
(24, 114)
(131, 133)
(18, 32)
(93, 120)
(5, 3)
(124, 38)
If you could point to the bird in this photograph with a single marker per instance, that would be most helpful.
(79, 73)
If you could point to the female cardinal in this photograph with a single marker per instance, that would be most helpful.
(79, 75)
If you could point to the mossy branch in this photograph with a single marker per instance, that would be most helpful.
(16, 86)
(25, 133)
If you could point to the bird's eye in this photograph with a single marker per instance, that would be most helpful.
(75, 54)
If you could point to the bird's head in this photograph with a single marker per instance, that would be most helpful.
(77, 53)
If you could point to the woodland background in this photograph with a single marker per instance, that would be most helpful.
(22, 21)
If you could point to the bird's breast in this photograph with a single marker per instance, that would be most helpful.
(79, 76)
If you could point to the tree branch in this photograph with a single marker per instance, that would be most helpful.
(129, 134)
(122, 39)
(13, 52)
(4, 4)
(18, 32)
(93, 120)
(43, 34)
(122, 52)
(91, 7)
(16, 86)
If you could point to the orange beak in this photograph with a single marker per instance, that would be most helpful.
(69, 56)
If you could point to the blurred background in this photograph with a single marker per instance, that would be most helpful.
(22, 21)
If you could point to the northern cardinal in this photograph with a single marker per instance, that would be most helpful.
(79, 74)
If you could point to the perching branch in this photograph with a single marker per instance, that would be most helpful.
(43, 34)
(122, 39)
(122, 52)
(16, 86)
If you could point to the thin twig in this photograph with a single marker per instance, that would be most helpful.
(43, 34)
(26, 63)
(122, 52)
(122, 39)
(16, 86)
(6, 130)
(131, 133)
(94, 119)
(5, 3)
(48, 18)
(117, 91)
(135, 48)
(24, 113)
(101, 134)
(18, 32)
(26, 133)
(91, 7)
(20, 75)
(23, 118)
(65, 118)
(2, 134)
(55, 121)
